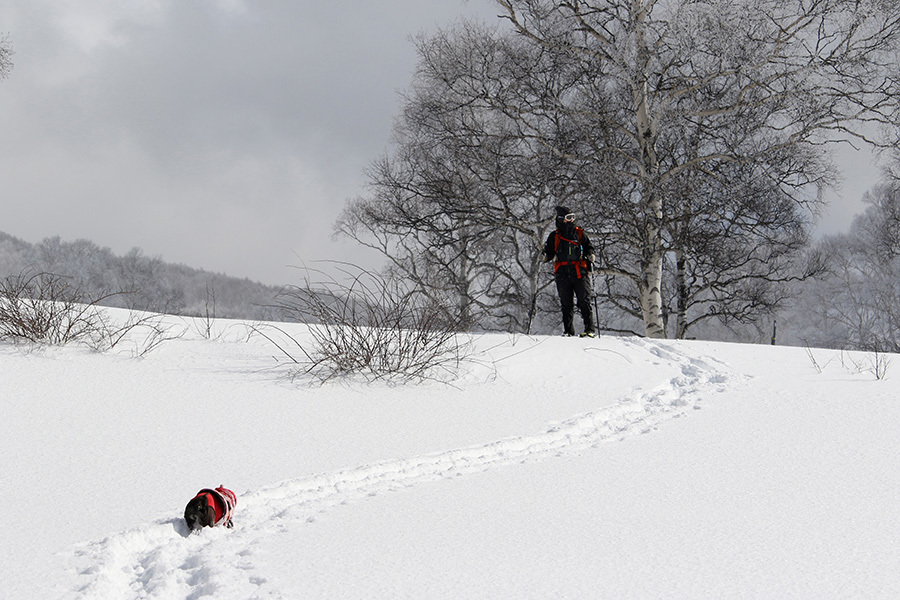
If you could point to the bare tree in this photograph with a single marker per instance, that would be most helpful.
(736, 244)
(691, 134)
(856, 303)
(465, 201)
(804, 73)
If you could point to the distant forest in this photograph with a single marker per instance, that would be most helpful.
(138, 281)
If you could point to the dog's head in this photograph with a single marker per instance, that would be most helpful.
(198, 513)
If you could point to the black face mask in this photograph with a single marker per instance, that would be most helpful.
(567, 229)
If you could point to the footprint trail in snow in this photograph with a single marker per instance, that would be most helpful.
(160, 559)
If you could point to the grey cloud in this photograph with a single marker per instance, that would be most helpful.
(226, 139)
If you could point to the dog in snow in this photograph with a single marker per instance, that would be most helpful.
(210, 508)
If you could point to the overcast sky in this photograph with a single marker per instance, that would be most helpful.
(223, 134)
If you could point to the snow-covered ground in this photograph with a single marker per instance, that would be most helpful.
(552, 468)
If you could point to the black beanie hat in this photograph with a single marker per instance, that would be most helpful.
(562, 211)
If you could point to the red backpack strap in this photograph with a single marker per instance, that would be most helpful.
(579, 233)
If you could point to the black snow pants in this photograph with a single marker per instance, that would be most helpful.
(568, 283)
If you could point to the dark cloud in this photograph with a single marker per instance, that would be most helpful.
(226, 135)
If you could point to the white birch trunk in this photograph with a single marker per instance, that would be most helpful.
(650, 285)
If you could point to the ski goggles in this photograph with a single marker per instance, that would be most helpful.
(569, 218)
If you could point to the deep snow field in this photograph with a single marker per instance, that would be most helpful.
(551, 468)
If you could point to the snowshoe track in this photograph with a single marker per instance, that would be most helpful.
(163, 559)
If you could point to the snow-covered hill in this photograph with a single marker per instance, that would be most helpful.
(554, 467)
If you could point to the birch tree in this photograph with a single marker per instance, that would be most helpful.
(804, 73)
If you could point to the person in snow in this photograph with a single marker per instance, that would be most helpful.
(573, 254)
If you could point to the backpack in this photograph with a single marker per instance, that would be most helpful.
(570, 252)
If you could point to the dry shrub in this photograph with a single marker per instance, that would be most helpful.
(44, 308)
(367, 324)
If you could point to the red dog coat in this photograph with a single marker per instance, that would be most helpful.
(223, 501)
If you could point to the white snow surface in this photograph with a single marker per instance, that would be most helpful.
(549, 468)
